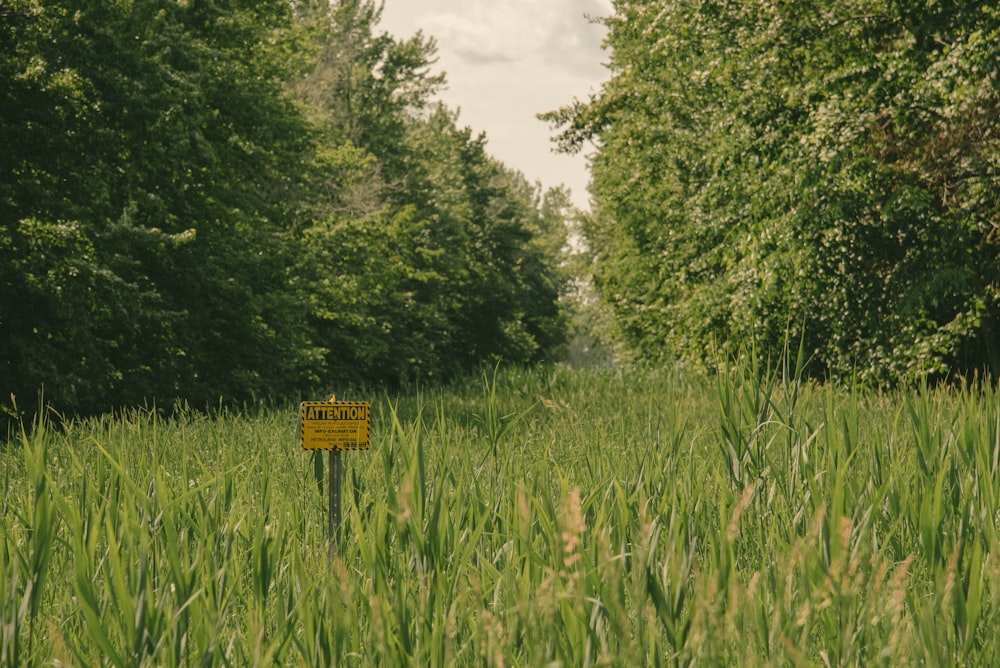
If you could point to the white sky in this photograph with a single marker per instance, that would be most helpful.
(508, 60)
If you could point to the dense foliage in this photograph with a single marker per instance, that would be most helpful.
(231, 198)
(820, 169)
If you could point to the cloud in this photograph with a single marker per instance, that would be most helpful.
(508, 60)
(487, 31)
(481, 35)
(574, 38)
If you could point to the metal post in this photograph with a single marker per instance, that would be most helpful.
(335, 479)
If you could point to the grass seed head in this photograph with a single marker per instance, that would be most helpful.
(741, 505)
(573, 527)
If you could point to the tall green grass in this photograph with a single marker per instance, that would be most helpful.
(551, 517)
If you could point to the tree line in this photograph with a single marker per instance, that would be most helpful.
(225, 198)
(823, 172)
(247, 199)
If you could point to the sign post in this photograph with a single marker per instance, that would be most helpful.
(335, 426)
(335, 479)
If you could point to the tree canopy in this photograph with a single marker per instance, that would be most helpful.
(819, 170)
(205, 199)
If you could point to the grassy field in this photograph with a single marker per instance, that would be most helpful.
(552, 517)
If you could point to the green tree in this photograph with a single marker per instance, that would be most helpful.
(817, 168)
(500, 241)
(153, 163)
(207, 199)
(425, 256)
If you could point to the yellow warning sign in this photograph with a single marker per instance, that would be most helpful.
(334, 425)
